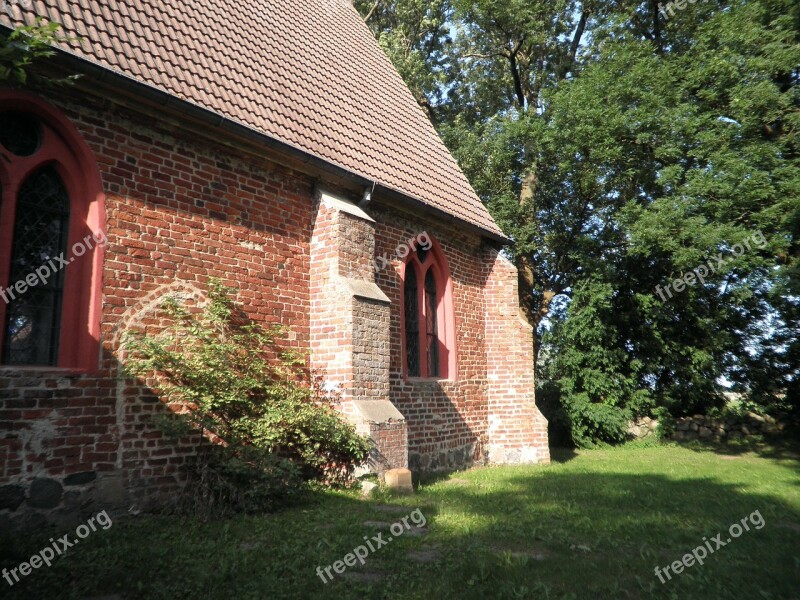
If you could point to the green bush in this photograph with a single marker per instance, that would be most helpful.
(666, 423)
(593, 422)
(275, 429)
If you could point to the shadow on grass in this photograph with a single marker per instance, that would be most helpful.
(784, 449)
(509, 533)
(562, 455)
(602, 535)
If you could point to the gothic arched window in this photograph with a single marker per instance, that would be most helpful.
(51, 236)
(427, 314)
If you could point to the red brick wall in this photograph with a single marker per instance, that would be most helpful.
(446, 419)
(179, 211)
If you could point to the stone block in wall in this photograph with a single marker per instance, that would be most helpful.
(45, 493)
(11, 497)
(386, 427)
(111, 491)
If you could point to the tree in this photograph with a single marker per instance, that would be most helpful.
(621, 147)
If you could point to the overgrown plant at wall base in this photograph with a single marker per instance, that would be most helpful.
(274, 429)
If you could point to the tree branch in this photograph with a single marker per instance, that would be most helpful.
(656, 27)
(492, 55)
(372, 10)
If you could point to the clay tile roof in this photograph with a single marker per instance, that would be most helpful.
(305, 72)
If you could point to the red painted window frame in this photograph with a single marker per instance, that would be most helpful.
(445, 316)
(63, 147)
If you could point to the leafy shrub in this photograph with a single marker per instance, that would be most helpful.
(245, 480)
(593, 422)
(227, 378)
(573, 420)
(666, 423)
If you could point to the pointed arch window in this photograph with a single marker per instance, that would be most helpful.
(52, 226)
(428, 328)
(40, 235)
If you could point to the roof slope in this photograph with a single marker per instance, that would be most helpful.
(306, 72)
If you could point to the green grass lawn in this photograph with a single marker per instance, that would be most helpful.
(594, 524)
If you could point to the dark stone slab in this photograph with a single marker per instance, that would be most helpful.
(11, 496)
(45, 493)
(80, 478)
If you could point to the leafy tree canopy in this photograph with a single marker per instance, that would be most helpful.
(622, 147)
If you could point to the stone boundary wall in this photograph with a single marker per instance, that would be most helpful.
(716, 429)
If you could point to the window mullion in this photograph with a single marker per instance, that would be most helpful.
(423, 326)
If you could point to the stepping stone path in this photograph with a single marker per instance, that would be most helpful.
(425, 555)
(390, 508)
(364, 576)
(413, 532)
(522, 552)
(377, 524)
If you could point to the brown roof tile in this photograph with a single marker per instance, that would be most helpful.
(305, 72)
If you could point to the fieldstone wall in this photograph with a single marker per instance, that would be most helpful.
(716, 429)
(642, 428)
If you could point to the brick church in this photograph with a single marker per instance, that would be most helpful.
(272, 145)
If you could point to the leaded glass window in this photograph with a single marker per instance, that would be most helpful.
(412, 324)
(431, 329)
(33, 318)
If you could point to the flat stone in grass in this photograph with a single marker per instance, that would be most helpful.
(251, 545)
(793, 526)
(425, 555)
(377, 524)
(390, 508)
(416, 531)
(364, 576)
(533, 553)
